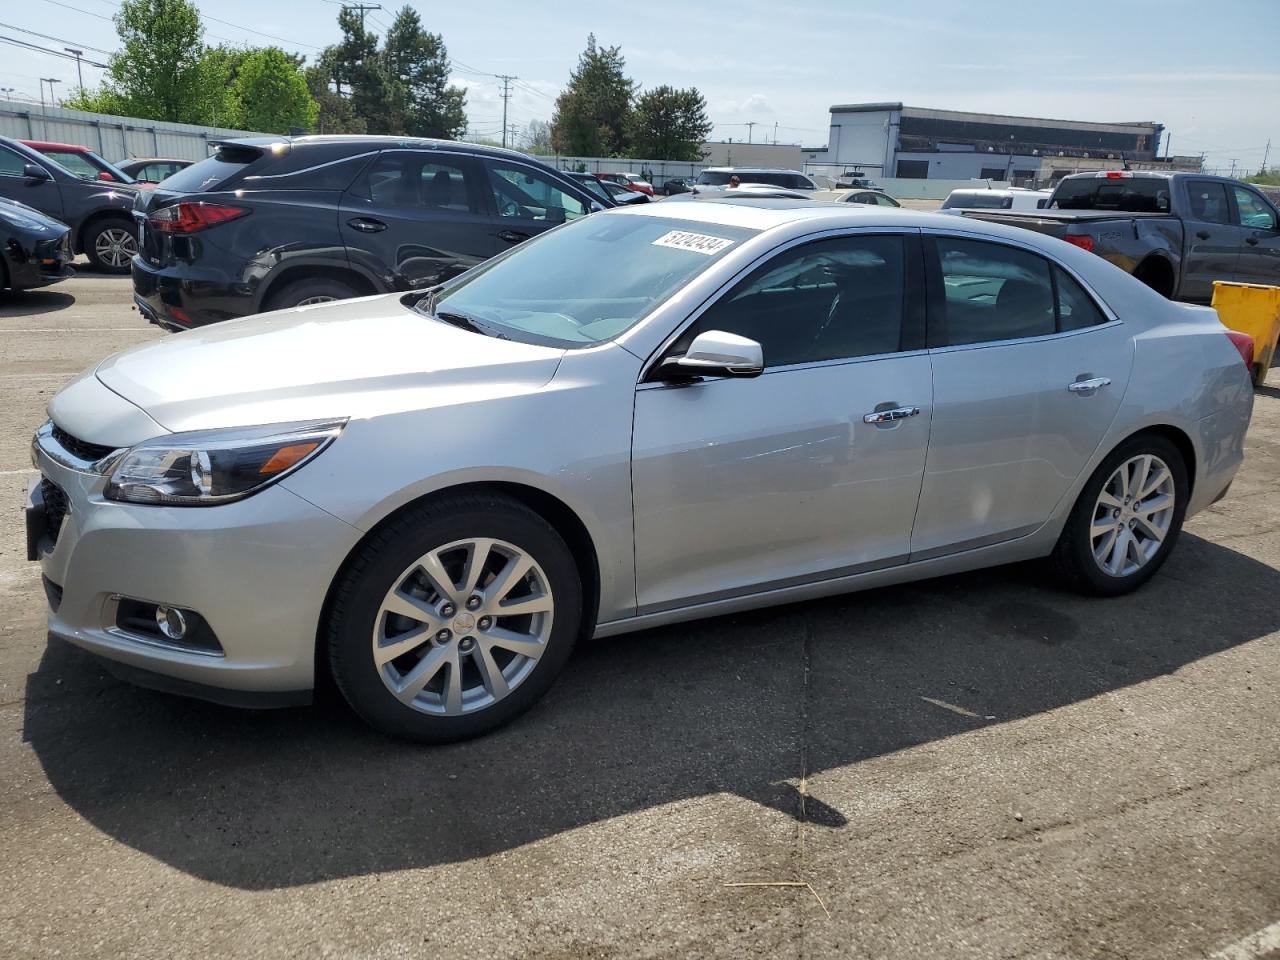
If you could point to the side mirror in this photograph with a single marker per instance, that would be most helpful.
(104, 175)
(33, 171)
(715, 353)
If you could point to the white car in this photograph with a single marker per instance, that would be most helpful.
(983, 198)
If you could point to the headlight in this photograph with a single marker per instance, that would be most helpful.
(215, 466)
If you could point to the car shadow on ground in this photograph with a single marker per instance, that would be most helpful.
(26, 303)
(260, 800)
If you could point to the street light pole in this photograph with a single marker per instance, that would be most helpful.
(77, 54)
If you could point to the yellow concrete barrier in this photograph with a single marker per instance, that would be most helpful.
(1252, 309)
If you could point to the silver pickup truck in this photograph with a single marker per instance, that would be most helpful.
(1177, 232)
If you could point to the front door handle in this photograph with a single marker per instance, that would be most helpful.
(367, 225)
(1202, 234)
(1251, 241)
(890, 416)
(1088, 386)
(512, 236)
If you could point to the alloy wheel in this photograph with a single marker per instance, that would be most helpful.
(463, 626)
(1132, 515)
(115, 247)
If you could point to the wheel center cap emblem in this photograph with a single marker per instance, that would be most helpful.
(464, 623)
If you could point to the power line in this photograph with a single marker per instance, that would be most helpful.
(46, 36)
(203, 16)
(39, 49)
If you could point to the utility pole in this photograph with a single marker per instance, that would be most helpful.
(750, 127)
(506, 95)
(1234, 161)
(363, 8)
(80, 75)
(1265, 154)
(50, 81)
(1168, 139)
(775, 133)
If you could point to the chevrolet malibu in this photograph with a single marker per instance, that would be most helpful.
(645, 416)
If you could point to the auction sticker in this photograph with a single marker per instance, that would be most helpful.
(695, 242)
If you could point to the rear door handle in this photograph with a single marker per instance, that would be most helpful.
(1202, 234)
(367, 225)
(890, 416)
(1251, 241)
(512, 236)
(1088, 386)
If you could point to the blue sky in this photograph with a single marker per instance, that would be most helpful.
(1209, 71)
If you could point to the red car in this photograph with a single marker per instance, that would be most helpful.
(632, 181)
(82, 162)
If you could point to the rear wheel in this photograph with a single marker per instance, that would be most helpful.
(110, 244)
(309, 290)
(1126, 520)
(454, 619)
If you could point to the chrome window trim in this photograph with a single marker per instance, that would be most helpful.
(791, 368)
(1057, 335)
(715, 296)
(959, 234)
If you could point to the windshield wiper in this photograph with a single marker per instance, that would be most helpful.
(466, 322)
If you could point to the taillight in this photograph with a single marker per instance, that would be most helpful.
(189, 216)
(1244, 344)
(1115, 174)
(1082, 241)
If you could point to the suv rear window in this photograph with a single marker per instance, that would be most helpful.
(719, 178)
(211, 173)
(978, 201)
(1130, 194)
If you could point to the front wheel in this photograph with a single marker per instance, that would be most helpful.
(454, 618)
(1127, 518)
(110, 244)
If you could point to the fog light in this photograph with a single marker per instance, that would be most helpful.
(172, 622)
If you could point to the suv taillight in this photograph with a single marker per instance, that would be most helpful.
(1085, 243)
(1244, 345)
(189, 216)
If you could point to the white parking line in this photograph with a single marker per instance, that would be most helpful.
(1253, 947)
(10, 473)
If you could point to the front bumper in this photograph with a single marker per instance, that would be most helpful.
(40, 263)
(256, 570)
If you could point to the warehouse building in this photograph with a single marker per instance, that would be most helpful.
(894, 140)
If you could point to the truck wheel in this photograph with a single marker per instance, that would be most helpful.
(110, 244)
(1157, 275)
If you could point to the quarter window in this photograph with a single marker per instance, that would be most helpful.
(1076, 309)
(526, 194)
(832, 299)
(993, 292)
(1253, 211)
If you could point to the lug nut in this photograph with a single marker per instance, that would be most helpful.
(467, 643)
(473, 603)
(448, 610)
(485, 623)
(1116, 513)
(444, 636)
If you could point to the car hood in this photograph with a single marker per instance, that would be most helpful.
(355, 358)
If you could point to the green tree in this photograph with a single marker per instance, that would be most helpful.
(417, 62)
(537, 137)
(336, 115)
(272, 93)
(669, 124)
(1266, 178)
(591, 114)
(163, 70)
(376, 97)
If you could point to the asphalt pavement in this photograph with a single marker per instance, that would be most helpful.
(977, 766)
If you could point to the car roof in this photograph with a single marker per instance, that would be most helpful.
(372, 140)
(52, 145)
(753, 170)
(156, 160)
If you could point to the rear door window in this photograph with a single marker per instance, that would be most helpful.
(992, 292)
(423, 181)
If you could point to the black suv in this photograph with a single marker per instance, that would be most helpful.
(274, 222)
(99, 213)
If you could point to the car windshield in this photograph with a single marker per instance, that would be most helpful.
(587, 281)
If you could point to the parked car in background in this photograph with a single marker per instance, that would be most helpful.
(788, 179)
(1176, 232)
(432, 496)
(99, 213)
(631, 181)
(81, 161)
(624, 195)
(854, 180)
(609, 194)
(875, 198)
(980, 198)
(673, 185)
(35, 250)
(274, 222)
(152, 170)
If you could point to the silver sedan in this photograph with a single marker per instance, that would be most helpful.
(644, 416)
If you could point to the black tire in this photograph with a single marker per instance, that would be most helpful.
(309, 288)
(1072, 558)
(93, 248)
(384, 558)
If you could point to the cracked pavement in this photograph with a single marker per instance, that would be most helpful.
(976, 766)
